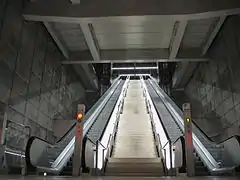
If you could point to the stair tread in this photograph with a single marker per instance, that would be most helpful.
(135, 174)
(134, 165)
(134, 160)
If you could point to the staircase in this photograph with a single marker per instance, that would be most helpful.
(134, 167)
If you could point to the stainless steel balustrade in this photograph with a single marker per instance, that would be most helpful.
(164, 137)
(54, 158)
(103, 150)
(209, 152)
(97, 129)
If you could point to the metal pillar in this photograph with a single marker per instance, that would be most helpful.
(190, 160)
(78, 141)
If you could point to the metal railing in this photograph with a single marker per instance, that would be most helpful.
(106, 149)
(13, 143)
(15, 140)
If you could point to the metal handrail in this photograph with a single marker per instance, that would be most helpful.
(98, 141)
(111, 139)
(114, 129)
(169, 142)
(177, 139)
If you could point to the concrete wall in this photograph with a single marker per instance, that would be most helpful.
(35, 88)
(214, 90)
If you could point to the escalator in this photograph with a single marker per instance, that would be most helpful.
(211, 158)
(57, 158)
(134, 151)
(131, 131)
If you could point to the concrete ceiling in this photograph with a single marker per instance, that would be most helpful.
(132, 31)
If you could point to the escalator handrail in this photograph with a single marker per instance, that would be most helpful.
(160, 146)
(165, 131)
(208, 159)
(74, 124)
(208, 138)
(87, 123)
(111, 138)
(103, 100)
(217, 144)
(177, 139)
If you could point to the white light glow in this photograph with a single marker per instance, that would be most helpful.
(15, 154)
(132, 68)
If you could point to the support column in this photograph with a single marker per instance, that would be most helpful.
(78, 141)
(190, 160)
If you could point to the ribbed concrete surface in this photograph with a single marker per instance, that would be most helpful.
(134, 137)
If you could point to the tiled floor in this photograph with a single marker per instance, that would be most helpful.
(112, 178)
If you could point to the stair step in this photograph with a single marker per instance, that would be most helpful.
(135, 167)
(134, 160)
(156, 174)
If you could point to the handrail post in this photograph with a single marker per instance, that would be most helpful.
(77, 161)
(165, 161)
(189, 140)
(96, 160)
(170, 150)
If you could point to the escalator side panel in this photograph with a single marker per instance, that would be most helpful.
(167, 120)
(209, 151)
(98, 127)
(49, 155)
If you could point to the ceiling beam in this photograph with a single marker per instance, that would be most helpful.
(137, 61)
(134, 55)
(177, 38)
(91, 75)
(75, 1)
(91, 41)
(64, 50)
(183, 73)
(213, 34)
(57, 39)
(164, 10)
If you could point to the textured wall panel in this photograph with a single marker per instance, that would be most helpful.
(34, 88)
(215, 88)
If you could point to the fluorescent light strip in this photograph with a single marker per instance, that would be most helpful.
(134, 75)
(132, 68)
